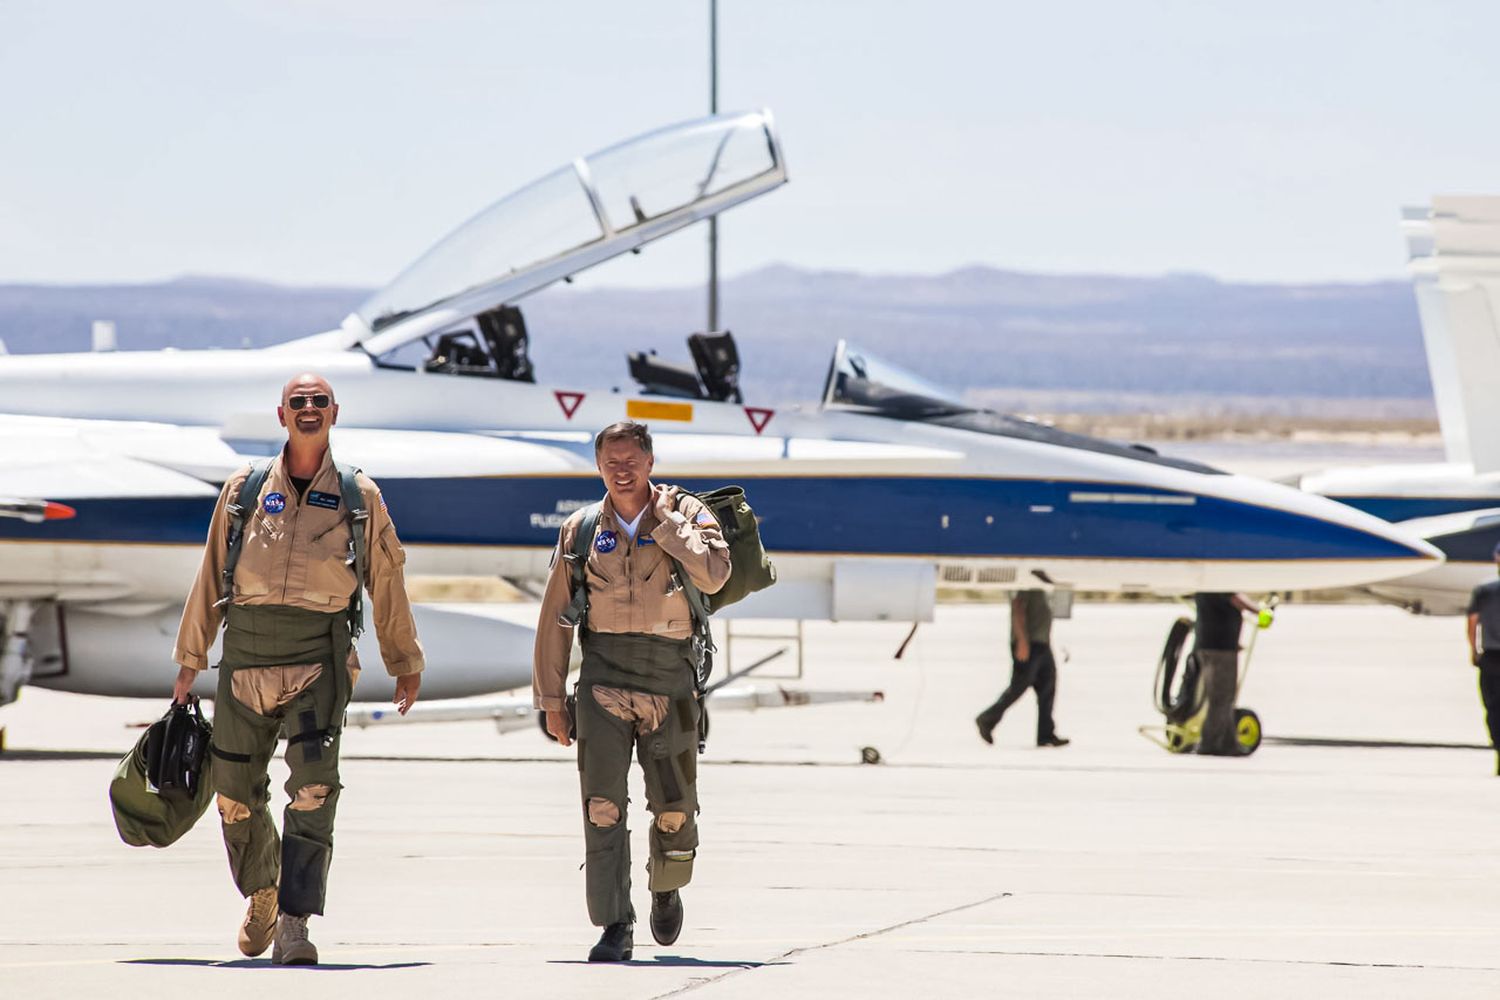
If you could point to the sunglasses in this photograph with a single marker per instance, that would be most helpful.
(319, 401)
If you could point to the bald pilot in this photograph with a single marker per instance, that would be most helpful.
(291, 608)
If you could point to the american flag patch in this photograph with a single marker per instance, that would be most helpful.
(382, 503)
(703, 518)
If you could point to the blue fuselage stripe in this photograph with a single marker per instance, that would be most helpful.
(855, 515)
(1406, 508)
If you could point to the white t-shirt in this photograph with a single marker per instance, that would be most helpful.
(629, 526)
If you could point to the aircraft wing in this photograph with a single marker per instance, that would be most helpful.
(92, 458)
(85, 464)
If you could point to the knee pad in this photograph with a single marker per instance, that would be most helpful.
(231, 811)
(310, 798)
(670, 822)
(602, 812)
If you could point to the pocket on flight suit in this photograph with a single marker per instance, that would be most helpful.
(652, 595)
(661, 748)
(330, 577)
(242, 746)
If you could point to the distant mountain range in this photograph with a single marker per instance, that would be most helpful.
(1006, 339)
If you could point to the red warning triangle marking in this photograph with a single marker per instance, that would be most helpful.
(569, 401)
(759, 417)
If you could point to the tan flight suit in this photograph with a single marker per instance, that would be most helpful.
(289, 665)
(635, 689)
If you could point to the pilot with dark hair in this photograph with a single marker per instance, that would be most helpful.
(636, 689)
(288, 659)
(1483, 629)
(1032, 667)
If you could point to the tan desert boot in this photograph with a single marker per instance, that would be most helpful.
(292, 945)
(260, 922)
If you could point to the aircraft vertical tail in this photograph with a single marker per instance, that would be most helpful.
(1454, 252)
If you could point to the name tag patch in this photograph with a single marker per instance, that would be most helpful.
(606, 542)
(645, 540)
(328, 500)
(274, 503)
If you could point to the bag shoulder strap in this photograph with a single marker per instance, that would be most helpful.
(577, 612)
(358, 515)
(239, 509)
(697, 600)
(703, 634)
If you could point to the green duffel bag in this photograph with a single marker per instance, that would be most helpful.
(147, 816)
(751, 569)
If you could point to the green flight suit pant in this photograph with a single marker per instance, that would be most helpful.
(245, 738)
(668, 755)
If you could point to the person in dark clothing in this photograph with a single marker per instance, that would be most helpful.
(1032, 666)
(1216, 643)
(1484, 652)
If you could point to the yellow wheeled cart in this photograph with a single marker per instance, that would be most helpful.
(1178, 692)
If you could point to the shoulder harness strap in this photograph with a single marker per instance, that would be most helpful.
(577, 611)
(359, 555)
(239, 509)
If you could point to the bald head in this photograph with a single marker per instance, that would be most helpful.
(300, 413)
(306, 382)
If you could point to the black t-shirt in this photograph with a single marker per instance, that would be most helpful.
(1485, 602)
(302, 485)
(1218, 622)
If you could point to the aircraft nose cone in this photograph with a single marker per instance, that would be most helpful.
(1281, 534)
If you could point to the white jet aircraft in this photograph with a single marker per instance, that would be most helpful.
(1454, 251)
(868, 498)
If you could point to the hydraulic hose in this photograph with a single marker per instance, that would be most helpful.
(1188, 698)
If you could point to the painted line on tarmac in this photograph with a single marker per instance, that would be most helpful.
(853, 938)
(1228, 959)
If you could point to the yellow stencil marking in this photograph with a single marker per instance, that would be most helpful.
(640, 409)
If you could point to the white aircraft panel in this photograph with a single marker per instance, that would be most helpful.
(884, 590)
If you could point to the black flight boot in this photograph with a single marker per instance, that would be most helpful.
(616, 944)
(666, 916)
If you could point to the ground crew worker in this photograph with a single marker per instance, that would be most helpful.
(636, 687)
(1216, 643)
(1484, 651)
(1032, 666)
(289, 661)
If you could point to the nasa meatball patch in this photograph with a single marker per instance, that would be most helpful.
(606, 542)
(274, 503)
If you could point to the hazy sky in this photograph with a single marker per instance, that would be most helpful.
(330, 141)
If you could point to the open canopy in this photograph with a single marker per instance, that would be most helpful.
(574, 218)
(861, 380)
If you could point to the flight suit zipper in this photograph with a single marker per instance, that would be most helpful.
(630, 579)
(286, 573)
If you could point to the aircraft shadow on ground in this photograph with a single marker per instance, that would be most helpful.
(671, 961)
(265, 963)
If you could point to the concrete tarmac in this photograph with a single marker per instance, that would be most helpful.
(1108, 868)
